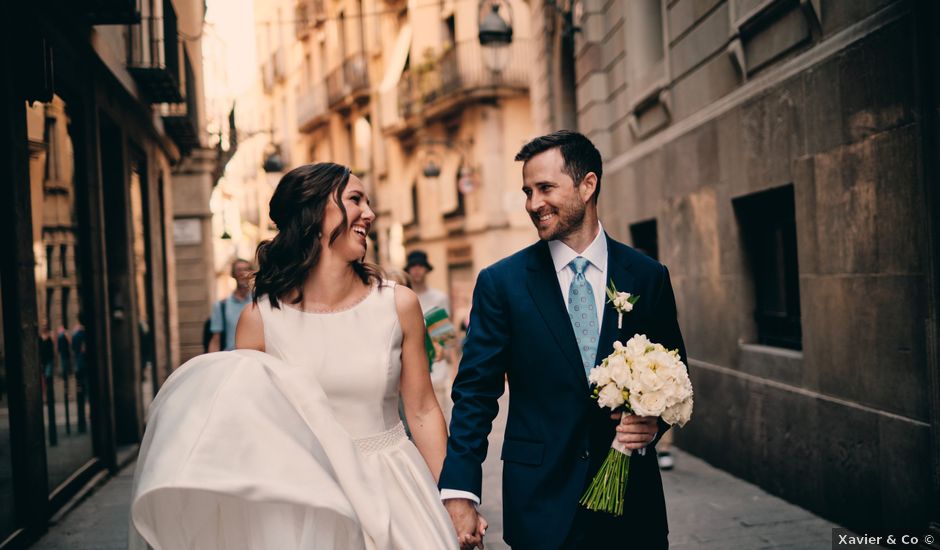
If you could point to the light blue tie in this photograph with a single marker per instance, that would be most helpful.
(583, 313)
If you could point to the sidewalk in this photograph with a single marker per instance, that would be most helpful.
(708, 510)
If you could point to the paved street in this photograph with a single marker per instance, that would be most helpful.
(708, 509)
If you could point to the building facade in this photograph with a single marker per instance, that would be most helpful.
(407, 97)
(780, 158)
(101, 110)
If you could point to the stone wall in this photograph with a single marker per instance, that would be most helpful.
(821, 97)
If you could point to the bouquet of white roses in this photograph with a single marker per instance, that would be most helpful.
(641, 378)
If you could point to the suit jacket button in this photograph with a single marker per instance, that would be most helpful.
(585, 455)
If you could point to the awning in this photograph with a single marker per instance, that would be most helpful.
(396, 62)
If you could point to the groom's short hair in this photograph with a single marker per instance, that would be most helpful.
(580, 155)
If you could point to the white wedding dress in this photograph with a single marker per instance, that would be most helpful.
(298, 447)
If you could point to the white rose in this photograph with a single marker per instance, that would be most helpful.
(599, 376)
(649, 380)
(678, 414)
(671, 414)
(621, 372)
(610, 397)
(637, 345)
(648, 403)
(622, 302)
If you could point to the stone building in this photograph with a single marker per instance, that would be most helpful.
(101, 108)
(407, 97)
(780, 157)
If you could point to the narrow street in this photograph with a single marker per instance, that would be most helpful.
(708, 509)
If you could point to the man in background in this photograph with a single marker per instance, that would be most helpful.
(225, 312)
(417, 267)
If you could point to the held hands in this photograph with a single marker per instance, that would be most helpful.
(469, 525)
(635, 432)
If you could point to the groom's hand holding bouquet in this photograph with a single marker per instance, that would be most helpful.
(648, 381)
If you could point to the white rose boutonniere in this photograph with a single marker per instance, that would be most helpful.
(623, 302)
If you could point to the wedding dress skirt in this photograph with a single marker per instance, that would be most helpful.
(244, 451)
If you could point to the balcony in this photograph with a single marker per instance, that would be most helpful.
(302, 19)
(181, 120)
(267, 76)
(154, 54)
(307, 13)
(459, 75)
(100, 12)
(279, 64)
(312, 108)
(349, 82)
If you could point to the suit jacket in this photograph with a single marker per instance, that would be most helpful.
(556, 436)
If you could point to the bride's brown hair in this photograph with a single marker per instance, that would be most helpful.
(298, 208)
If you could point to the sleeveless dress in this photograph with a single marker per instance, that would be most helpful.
(295, 448)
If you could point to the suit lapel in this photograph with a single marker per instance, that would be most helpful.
(618, 271)
(543, 286)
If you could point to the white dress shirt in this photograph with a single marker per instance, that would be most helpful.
(595, 273)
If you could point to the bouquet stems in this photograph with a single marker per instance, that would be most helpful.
(605, 494)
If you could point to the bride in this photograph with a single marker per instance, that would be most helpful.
(294, 440)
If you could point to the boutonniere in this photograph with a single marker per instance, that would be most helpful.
(622, 302)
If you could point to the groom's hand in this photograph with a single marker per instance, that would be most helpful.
(636, 432)
(466, 522)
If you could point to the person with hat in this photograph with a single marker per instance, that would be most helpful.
(417, 267)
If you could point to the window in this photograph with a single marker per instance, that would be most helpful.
(461, 207)
(52, 172)
(767, 221)
(50, 298)
(66, 296)
(414, 203)
(644, 21)
(645, 239)
(50, 273)
(449, 32)
(64, 260)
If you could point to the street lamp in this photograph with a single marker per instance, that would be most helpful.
(431, 169)
(272, 161)
(494, 30)
(495, 33)
(466, 182)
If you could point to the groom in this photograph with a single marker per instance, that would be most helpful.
(541, 318)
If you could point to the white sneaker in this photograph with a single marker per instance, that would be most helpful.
(666, 462)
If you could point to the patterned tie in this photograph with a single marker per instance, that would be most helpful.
(583, 313)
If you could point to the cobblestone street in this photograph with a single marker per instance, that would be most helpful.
(708, 509)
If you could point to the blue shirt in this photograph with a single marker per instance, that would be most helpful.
(233, 310)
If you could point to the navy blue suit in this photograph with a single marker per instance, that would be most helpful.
(556, 436)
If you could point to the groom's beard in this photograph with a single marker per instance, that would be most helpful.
(568, 219)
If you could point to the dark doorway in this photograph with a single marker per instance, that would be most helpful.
(122, 317)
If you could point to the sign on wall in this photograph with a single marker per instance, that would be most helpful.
(187, 231)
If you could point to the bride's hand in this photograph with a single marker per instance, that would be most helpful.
(482, 524)
(467, 543)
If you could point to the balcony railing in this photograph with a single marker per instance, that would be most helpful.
(279, 64)
(334, 86)
(307, 13)
(312, 108)
(356, 73)
(351, 79)
(267, 76)
(302, 19)
(104, 12)
(181, 120)
(154, 56)
(461, 72)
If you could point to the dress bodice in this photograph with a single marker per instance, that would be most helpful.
(355, 353)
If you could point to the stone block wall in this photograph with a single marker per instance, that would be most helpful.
(821, 97)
